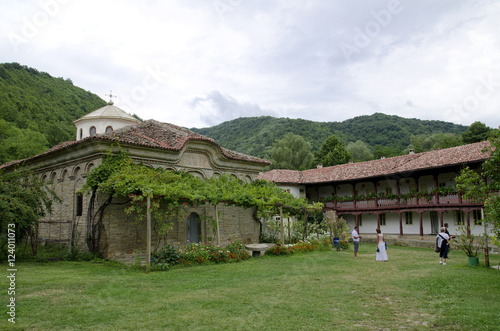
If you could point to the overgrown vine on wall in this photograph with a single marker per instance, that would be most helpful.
(172, 192)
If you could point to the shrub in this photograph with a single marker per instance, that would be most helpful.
(166, 257)
(199, 253)
(300, 247)
(279, 249)
(74, 254)
(343, 244)
(238, 251)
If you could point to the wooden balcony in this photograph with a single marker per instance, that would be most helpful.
(432, 202)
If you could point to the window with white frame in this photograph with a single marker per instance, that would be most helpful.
(408, 218)
(459, 217)
(477, 216)
(382, 219)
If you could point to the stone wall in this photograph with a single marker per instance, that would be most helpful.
(123, 237)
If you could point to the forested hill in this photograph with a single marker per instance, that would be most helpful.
(256, 135)
(37, 110)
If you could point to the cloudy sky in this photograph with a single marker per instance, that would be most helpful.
(198, 63)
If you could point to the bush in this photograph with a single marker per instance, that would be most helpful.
(300, 247)
(238, 251)
(74, 254)
(199, 253)
(166, 257)
(343, 244)
(279, 249)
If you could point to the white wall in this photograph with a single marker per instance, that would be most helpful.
(100, 125)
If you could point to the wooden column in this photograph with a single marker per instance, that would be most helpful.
(436, 185)
(335, 194)
(376, 197)
(398, 192)
(468, 221)
(148, 250)
(353, 195)
(281, 225)
(421, 224)
(217, 224)
(306, 216)
(400, 223)
(417, 189)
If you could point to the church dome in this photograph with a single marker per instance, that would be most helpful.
(105, 119)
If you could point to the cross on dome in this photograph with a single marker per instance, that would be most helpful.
(111, 96)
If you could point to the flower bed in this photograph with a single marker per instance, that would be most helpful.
(198, 253)
(299, 247)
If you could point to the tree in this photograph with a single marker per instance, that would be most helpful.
(476, 132)
(424, 143)
(18, 143)
(292, 152)
(380, 151)
(492, 169)
(475, 185)
(332, 152)
(24, 199)
(360, 151)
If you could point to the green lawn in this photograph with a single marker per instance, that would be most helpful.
(313, 291)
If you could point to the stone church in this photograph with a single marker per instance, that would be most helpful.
(159, 145)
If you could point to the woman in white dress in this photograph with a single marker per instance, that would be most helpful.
(381, 252)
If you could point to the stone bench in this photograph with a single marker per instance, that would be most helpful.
(258, 249)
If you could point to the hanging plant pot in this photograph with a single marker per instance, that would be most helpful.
(473, 261)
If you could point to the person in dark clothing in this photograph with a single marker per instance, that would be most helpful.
(442, 242)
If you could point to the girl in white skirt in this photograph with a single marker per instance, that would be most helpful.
(381, 251)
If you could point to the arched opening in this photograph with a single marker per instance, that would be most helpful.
(193, 228)
(93, 131)
(109, 129)
(197, 174)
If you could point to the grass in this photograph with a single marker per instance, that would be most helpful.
(313, 291)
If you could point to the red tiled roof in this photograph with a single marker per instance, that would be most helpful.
(383, 167)
(150, 134)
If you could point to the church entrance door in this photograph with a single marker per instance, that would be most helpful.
(193, 228)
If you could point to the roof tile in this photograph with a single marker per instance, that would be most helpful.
(383, 167)
(150, 134)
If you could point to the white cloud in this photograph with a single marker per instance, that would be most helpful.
(223, 59)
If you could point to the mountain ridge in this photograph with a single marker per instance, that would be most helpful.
(37, 112)
(256, 135)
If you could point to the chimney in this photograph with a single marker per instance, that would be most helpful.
(319, 166)
(411, 151)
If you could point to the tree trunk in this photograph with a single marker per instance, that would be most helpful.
(94, 228)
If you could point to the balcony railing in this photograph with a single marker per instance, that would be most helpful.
(380, 203)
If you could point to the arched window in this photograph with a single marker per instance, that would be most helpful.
(109, 129)
(92, 131)
(81, 133)
(79, 205)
